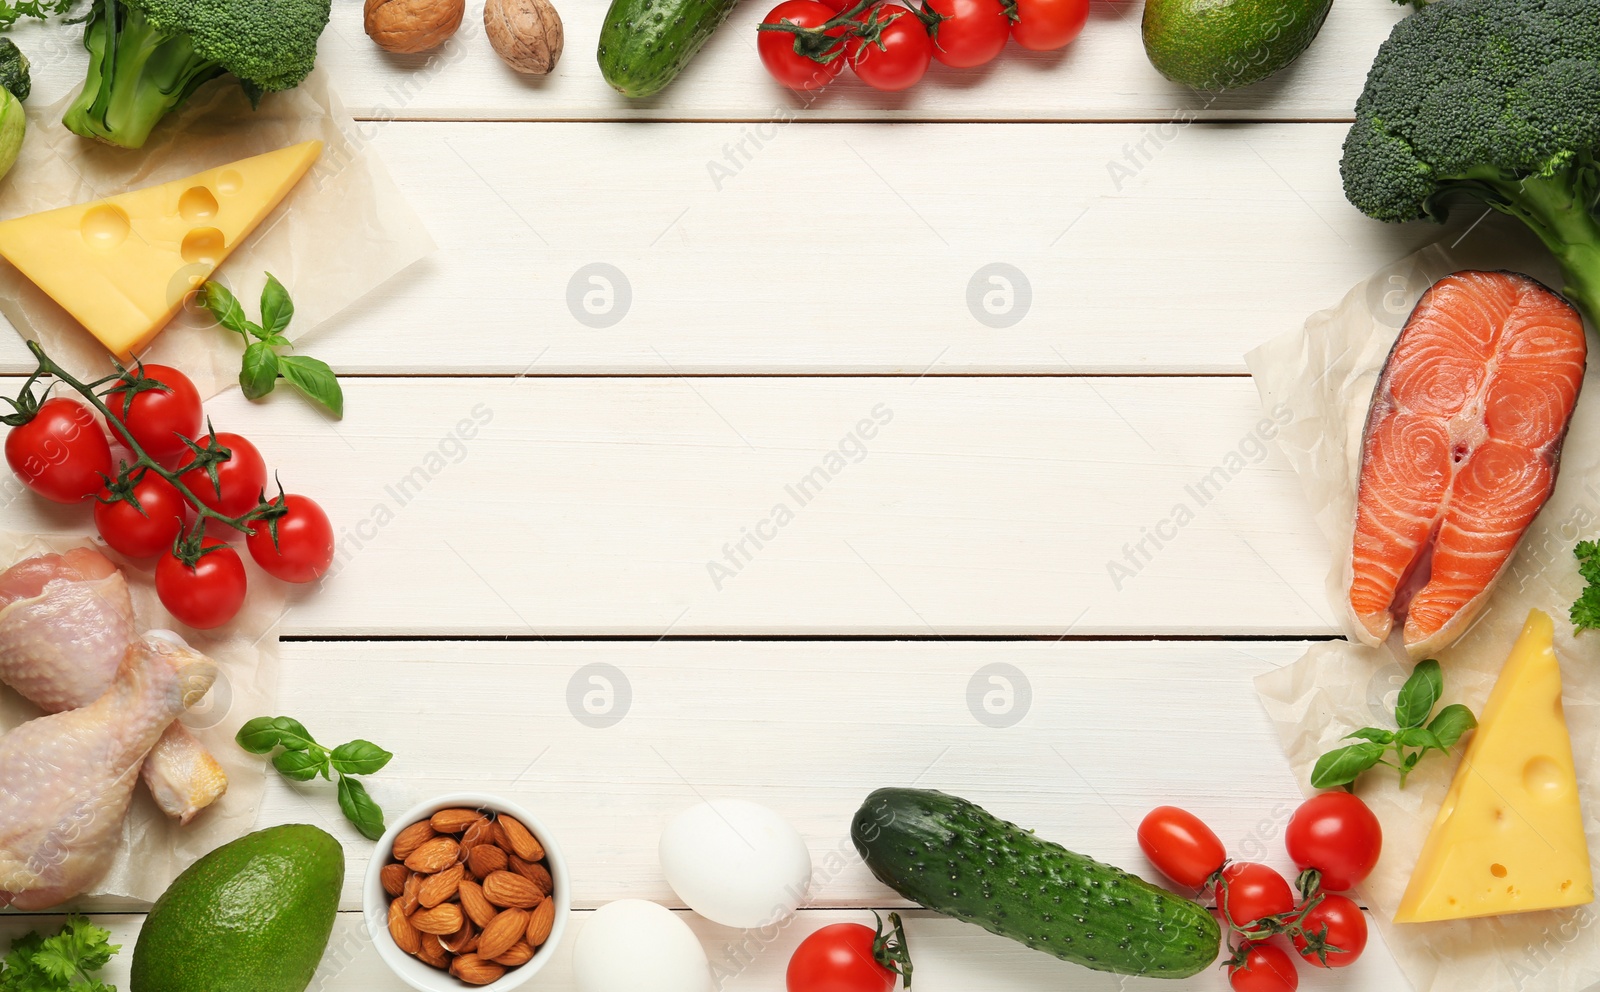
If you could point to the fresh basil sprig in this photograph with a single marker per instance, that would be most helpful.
(264, 362)
(1418, 697)
(302, 759)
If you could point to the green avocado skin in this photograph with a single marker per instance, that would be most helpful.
(1223, 44)
(252, 916)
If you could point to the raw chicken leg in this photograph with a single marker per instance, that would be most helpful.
(65, 623)
(66, 779)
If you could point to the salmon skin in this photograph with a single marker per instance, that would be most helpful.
(1460, 451)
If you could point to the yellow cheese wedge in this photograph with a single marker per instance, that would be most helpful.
(1509, 837)
(123, 266)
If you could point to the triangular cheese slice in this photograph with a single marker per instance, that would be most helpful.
(124, 265)
(1509, 837)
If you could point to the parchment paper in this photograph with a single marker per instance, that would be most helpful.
(341, 233)
(154, 848)
(1325, 373)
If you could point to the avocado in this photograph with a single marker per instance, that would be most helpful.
(252, 916)
(1223, 44)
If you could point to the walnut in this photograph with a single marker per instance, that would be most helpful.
(527, 34)
(409, 26)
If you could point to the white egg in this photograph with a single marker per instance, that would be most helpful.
(736, 863)
(632, 945)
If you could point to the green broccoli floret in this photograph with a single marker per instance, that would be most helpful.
(14, 70)
(1495, 99)
(146, 57)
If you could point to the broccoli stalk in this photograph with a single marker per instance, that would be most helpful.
(1498, 100)
(147, 57)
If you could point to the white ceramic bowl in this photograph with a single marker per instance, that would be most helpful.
(375, 901)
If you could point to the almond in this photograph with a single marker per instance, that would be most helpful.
(478, 909)
(453, 821)
(520, 954)
(502, 932)
(540, 922)
(487, 858)
(394, 878)
(433, 952)
(481, 832)
(511, 891)
(536, 873)
(411, 838)
(406, 937)
(434, 855)
(408, 895)
(440, 920)
(463, 941)
(517, 839)
(475, 970)
(440, 887)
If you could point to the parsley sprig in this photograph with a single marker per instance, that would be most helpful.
(12, 11)
(1585, 613)
(302, 759)
(1414, 737)
(69, 960)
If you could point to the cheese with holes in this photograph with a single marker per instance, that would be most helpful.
(123, 266)
(1509, 837)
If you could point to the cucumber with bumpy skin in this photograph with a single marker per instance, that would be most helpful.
(956, 858)
(644, 44)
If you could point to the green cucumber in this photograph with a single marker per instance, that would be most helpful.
(956, 858)
(644, 44)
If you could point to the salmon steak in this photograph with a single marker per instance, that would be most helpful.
(1460, 452)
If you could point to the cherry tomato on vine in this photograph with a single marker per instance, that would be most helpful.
(61, 454)
(1336, 834)
(207, 594)
(838, 958)
(973, 31)
(156, 417)
(1248, 891)
(1046, 25)
(240, 479)
(896, 54)
(777, 48)
(304, 547)
(148, 529)
(1335, 922)
(1180, 846)
(1266, 968)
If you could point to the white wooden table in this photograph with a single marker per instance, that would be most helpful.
(824, 283)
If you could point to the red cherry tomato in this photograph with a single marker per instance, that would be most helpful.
(1336, 834)
(796, 71)
(206, 595)
(61, 454)
(1337, 929)
(304, 547)
(157, 417)
(898, 57)
(149, 529)
(1266, 968)
(240, 479)
(1180, 846)
(838, 958)
(972, 33)
(1046, 25)
(1248, 892)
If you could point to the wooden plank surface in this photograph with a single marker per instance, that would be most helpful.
(1022, 506)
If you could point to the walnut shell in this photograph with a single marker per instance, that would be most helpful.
(526, 34)
(409, 26)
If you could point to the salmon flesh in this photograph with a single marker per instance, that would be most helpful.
(1460, 451)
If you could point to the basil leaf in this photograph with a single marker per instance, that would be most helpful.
(301, 766)
(360, 808)
(1418, 737)
(259, 736)
(1341, 765)
(316, 380)
(359, 758)
(1373, 734)
(1419, 695)
(259, 373)
(276, 307)
(292, 734)
(1452, 721)
(225, 307)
